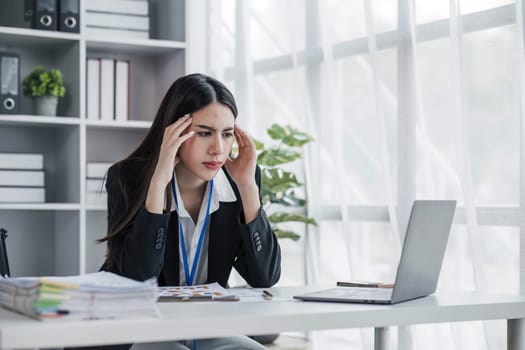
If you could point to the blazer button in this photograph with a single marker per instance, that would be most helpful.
(256, 234)
(259, 247)
(158, 246)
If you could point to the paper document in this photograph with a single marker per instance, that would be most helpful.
(210, 292)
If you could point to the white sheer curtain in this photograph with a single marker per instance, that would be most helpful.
(406, 100)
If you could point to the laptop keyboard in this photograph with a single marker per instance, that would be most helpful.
(358, 292)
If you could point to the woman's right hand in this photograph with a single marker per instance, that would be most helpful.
(168, 158)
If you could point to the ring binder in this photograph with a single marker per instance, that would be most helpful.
(68, 16)
(46, 14)
(9, 83)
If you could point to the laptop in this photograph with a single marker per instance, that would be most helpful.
(420, 263)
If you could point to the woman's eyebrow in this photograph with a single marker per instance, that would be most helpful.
(202, 126)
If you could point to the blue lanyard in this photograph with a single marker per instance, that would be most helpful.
(190, 277)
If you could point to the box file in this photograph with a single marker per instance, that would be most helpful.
(21, 161)
(22, 195)
(119, 21)
(118, 6)
(97, 170)
(107, 89)
(95, 185)
(116, 33)
(93, 89)
(121, 90)
(26, 178)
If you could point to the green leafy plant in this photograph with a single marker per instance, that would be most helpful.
(280, 186)
(42, 82)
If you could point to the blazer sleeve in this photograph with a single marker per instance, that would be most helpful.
(259, 260)
(138, 251)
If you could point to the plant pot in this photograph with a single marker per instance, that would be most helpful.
(45, 105)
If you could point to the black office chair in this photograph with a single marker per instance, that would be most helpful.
(4, 262)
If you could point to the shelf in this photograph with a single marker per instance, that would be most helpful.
(34, 38)
(135, 46)
(36, 120)
(40, 206)
(127, 125)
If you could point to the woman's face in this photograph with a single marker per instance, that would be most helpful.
(206, 152)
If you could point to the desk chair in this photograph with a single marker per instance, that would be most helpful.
(4, 262)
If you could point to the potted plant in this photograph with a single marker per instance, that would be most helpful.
(44, 87)
(280, 186)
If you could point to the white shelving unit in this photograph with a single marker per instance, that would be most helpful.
(58, 237)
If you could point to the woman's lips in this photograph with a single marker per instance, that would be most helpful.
(212, 165)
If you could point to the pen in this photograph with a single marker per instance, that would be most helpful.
(267, 295)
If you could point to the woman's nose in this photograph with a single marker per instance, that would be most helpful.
(217, 146)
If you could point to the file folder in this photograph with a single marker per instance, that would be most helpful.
(46, 14)
(69, 20)
(9, 83)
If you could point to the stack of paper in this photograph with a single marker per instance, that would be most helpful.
(100, 295)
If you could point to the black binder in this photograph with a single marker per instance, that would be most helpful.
(17, 13)
(69, 19)
(9, 83)
(46, 14)
(4, 262)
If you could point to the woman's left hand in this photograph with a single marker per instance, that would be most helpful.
(242, 168)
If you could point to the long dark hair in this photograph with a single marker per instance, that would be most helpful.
(186, 95)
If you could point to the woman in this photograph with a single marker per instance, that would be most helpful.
(182, 210)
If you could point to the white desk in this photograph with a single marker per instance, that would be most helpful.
(215, 319)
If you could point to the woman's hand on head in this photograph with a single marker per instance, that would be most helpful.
(242, 168)
(173, 137)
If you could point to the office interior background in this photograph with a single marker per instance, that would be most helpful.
(406, 99)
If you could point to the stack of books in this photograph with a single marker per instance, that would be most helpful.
(117, 18)
(22, 178)
(95, 182)
(100, 295)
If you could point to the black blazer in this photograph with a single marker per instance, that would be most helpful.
(149, 246)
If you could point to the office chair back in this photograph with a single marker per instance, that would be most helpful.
(4, 262)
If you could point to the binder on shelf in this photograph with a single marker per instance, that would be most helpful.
(46, 14)
(93, 89)
(22, 195)
(9, 83)
(22, 178)
(131, 7)
(107, 89)
(69, 20)
(17, 13)
(26, 161)
(119, 21)
(121, 90)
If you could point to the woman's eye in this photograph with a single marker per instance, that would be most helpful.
(227, 134)
(204, 133)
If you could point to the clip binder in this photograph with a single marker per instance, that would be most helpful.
(9, 83)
